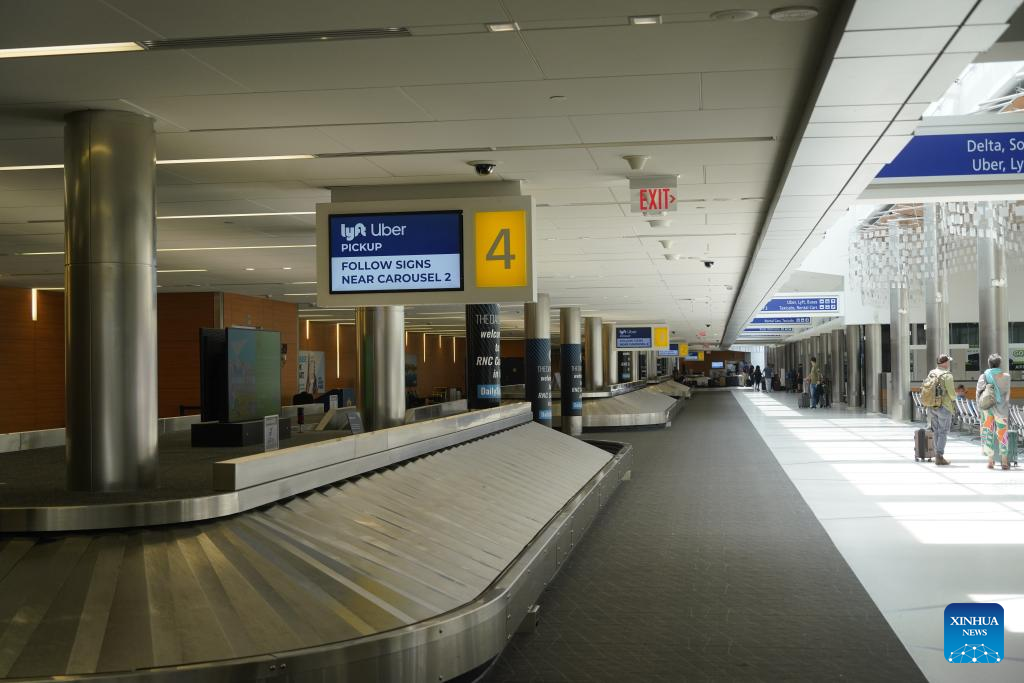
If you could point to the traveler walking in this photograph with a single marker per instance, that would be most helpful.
(993, 392)
(814, 378)
(757, 378)
(769, 375)
(937, 396)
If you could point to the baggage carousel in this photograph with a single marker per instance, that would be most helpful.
(645, 403)
(409, 554)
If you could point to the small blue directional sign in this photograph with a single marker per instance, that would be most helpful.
(777, 330)
(782, 320)
(810, 304)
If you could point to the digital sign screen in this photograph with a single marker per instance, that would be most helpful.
(671, 352)
(633, 337)
(717, 364)
(396, 252)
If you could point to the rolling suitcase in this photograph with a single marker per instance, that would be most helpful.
(1012, 440)
(924, 445)
(805, 400)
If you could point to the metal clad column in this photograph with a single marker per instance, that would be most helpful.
(836, 358)
(483, 356)
(899, 335)
(611, 357)
(538, 357)
(571, 355)
(873, 368)
(993, 324)
(380, 370)
(853, 388)
(936, 307)
(593, 346)
(110, 310)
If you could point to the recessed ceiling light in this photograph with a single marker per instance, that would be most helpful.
(734, 15)
(250, 269)
(502, 26)
(794, 13)
(286, 268)
(237, 215)
(36, 167)
(645, 19)
(222, 160)
(55, 50)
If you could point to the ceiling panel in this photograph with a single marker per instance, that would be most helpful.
(772, 88)
(237, 143)
(872, 80)
(746, 123)
(456, 134)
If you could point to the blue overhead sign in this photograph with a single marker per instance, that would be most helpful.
(633, 337)
(810, 304)
(671, 352)
(782, 320)
(393, 252)
(974, 154)
(770, 330)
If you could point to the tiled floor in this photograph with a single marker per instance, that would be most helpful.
(707, 566)
(917, 536)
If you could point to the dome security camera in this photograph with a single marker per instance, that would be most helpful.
(707, 324)
(483, 167)
(708, 264)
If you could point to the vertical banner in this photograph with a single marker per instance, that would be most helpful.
(625, 367)
(483, 356)
(572, 381)
(642, 372)
(538, 378)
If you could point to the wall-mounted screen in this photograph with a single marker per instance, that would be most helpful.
(396, 252)
(717, 365)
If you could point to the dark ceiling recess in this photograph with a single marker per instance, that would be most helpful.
(273, 38)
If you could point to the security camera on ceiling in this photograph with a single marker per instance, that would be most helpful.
(483, 167)
(708, 264)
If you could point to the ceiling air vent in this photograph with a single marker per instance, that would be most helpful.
(273, 38)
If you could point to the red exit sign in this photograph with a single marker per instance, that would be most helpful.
(656, 198)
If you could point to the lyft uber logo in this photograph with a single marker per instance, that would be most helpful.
(350, 232)
(974, 633)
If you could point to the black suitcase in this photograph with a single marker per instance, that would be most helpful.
(924, 445)
(1012, 444)
(805, 400)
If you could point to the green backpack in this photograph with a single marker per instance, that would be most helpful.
(932, 389)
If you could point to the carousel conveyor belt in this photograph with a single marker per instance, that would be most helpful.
(420, 571)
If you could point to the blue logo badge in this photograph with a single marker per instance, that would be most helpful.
(974, 633)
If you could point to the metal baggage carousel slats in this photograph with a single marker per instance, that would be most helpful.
(374, 555)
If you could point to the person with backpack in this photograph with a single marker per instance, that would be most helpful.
(993, 392)
(937, 396)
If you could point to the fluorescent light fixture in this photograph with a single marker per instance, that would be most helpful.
(337, 351)
(307, 330)
(313, 283)
(42, 253)
(503, 26)
(224, 160)
(57, 50)
(300, 294)
(250, 269)
(37, 167)
(35, 305)
(237, 215)
(645, 20)
(286, 268)
(258, 246)
(184, 270)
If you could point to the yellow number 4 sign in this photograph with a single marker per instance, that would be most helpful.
(501, 249)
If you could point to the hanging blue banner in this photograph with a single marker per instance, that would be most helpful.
(982, 154)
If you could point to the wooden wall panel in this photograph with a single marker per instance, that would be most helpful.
(180, 316)
(704, 366)
(324, 337)
(31, 360)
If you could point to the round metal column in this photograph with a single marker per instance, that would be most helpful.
(873, 368)
(380, 369)
(993, 322)
(571, 368)
(110, 301)
(853, 388)
(611, 356)
(537, 365)
(836, 363)
(936, 307)
(594, 353)
(897, 394)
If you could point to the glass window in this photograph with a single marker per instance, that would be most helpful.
(886, 359)
(1017, 333)
(963, 333)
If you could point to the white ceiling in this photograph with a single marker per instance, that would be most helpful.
(654, 90)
